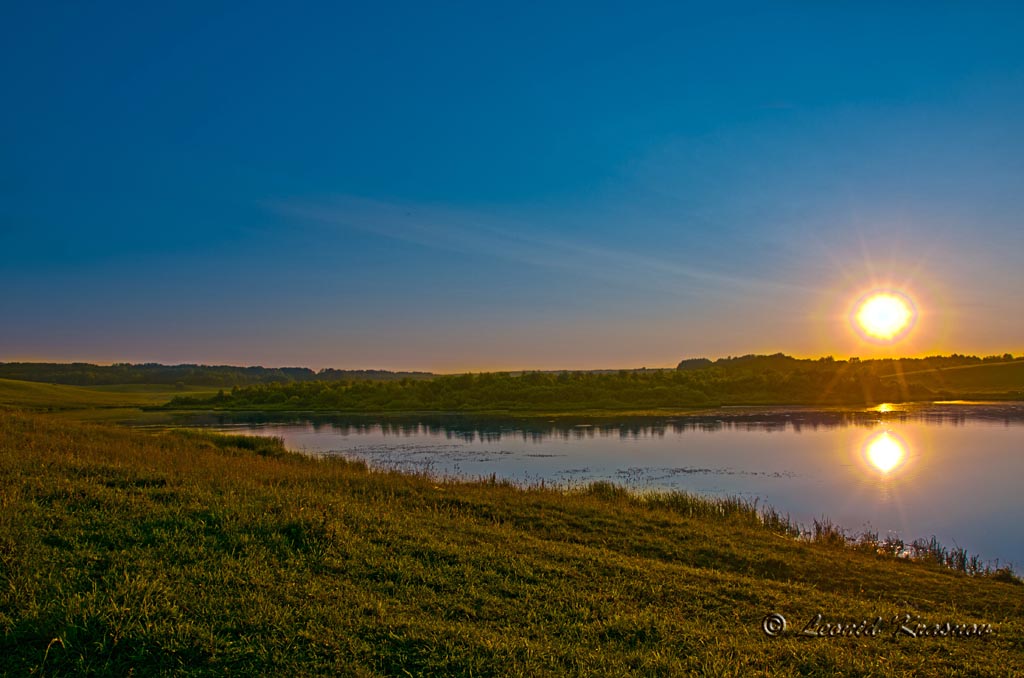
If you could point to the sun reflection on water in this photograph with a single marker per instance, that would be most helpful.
(885, 452)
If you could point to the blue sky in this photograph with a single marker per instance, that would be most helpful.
(473, 186)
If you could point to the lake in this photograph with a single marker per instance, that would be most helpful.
(949, 470)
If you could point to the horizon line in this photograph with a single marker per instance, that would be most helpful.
(317, 370)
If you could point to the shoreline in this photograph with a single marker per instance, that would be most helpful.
(231, 554)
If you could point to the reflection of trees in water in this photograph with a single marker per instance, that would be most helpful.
(467, 428)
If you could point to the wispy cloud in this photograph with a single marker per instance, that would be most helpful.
(521, 242)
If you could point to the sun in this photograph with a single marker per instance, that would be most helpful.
(884, 316)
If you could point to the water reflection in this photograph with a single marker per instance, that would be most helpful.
(470, 428)
(877, 469)
(885, 451)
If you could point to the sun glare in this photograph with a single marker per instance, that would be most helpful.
(884, 316)
(885, 451)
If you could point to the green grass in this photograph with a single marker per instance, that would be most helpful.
(994, 378)
(55, 397)
(130, 552)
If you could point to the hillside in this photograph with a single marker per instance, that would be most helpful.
(33, 395)
(981, 378)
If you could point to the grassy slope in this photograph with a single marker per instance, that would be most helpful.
(995, 378)
(171, 552)
(35, 395)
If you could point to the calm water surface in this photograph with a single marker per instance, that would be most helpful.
(952, 470)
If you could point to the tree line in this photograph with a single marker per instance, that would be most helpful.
(748, 380)
(87, 374)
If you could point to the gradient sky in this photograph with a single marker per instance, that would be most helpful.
(467, 187)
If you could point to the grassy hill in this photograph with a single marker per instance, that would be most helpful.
(34, 395)
(130, 552)
(983, 378)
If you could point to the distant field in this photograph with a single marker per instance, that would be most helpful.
(759, 380)
(36, 396)
(986, 377)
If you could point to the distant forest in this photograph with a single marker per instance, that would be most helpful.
(745, 380)
(85, 374)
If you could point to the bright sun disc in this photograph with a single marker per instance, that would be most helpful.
(884, 316)
(885, 451)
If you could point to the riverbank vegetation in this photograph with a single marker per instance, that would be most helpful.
(178, 552)
(748, 380)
